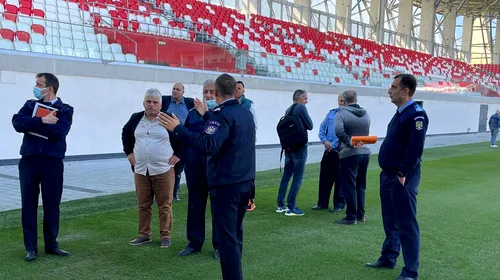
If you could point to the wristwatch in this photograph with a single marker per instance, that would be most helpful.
(400, 175)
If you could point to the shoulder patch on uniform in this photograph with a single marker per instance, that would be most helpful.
(417, 107)
(216, 109)
(419, 117)
(212, 127)
(419, 125)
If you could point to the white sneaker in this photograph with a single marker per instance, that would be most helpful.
(494, 146)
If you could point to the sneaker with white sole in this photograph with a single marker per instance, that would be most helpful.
(281, 209)
(294, 212)
(494, 146)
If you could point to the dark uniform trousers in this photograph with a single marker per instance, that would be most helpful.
(198, 193)
(327, 178)
(229, 207)
(43, 172)
(399, 215)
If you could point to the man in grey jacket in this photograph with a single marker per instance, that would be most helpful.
(352, 120)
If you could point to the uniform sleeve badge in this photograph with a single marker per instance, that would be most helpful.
(212, 127)
(419, 125)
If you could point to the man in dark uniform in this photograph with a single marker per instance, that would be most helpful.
(400, 158)
(41, 165)
(229, 142)
(196, 178)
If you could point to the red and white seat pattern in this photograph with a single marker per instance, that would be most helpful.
(275, 48)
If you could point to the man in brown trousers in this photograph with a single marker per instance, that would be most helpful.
(151, 150)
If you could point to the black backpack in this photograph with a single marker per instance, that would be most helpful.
(292, 134)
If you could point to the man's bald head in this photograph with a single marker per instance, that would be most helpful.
(178, 91)
(350, 97)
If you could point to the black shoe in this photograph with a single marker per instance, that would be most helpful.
(187, 251)
(337, 210)
(406, 278)
(217, 255)
(317, 207)
(57, 252)
(176, 198)
(344, 221)
(31, 256)
(380, 264)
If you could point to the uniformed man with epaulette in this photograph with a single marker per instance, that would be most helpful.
(400, 158)
(41, 165)
(229, 141)
(196, 179)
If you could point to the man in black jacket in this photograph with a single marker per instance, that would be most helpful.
(229, 141)
(41, 165)
(152, 152)
(179, 105)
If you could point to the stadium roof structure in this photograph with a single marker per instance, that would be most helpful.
(467, 7)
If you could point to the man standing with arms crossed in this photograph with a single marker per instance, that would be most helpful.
(400, 158)
(229, 141)
(247, 104)
(41, 164)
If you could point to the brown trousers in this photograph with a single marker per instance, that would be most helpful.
(147, 187)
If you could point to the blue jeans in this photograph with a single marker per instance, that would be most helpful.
(494, 134)
(295, 163)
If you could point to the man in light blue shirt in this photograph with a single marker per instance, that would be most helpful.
(330, 164)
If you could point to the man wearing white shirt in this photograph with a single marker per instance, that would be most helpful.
(151, 151)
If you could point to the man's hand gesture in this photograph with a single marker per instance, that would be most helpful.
(168, 122)
(201, 106)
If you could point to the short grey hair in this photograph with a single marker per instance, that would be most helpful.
(153, 93)
(209, 82)
(297, 94)
(350, 96)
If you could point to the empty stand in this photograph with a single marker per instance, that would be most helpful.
(194, 34)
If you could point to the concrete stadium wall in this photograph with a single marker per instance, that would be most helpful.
(105, 95)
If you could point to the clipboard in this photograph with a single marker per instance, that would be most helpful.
(41, 111)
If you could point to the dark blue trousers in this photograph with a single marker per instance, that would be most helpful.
(229, 208)
(399, 215)
(178, 168)
(328, 176)
(198, 193)
(45, 173)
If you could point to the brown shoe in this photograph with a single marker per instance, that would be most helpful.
(165, 243)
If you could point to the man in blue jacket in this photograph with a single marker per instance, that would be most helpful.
(41, 165)
(330, 164)
(228, 140)
(179, 105)
(494, 124)
(196, 178)
(399, 157)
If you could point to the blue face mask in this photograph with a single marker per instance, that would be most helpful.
(37, 92)
(211, 104)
